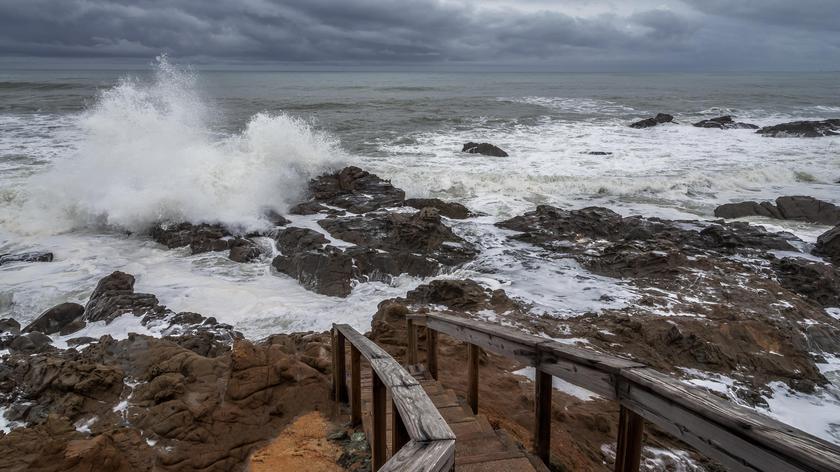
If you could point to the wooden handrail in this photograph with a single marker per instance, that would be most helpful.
(422, 440)
(736, 437)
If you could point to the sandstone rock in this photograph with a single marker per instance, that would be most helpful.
(803, 129)
(26, 257)
(724, 122)
(651, 122)
(56, 318)
(486, 149)
(448, 209)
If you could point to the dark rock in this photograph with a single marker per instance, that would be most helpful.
(486, 149)
(276, 218)
(9, 325)
(310, 208)
(114, 296)
(454, 294)
(26, 257)
(72, 327)
(243, 250)
(828, 245)
(200, 238)
(448, 209)
(307, 257)
(352, 189)
(800, 208)
(803, 129)
(724, 122)
(650, 122)
(187, 318)
(598, 153)
(75, 342)
(813, 280)
(30, 343)
(56, 318)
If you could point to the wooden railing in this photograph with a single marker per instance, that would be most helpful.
(736, 437)
(421, 440)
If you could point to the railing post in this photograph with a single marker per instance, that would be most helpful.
(334, 363)
(542, 416)
(379, 414)
(628, 451)
(340, 369)
(355, 386)
(473, 353)
(399, 434)
(431, 352)
(412, 343)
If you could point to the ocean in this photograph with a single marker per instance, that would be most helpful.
(89, 159)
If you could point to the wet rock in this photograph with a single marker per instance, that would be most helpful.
(312, 208)
(813, 280)
(448, 209)
(9, 325)
(114, 296)
(651, 122)
(724, 122)
(800, 208)
(30, 343)
(80, 341)
(828, 245)
(200, 238)
(352, 189)
(599, 153)
(56, 318)
(454, 294)
(72, 327)
(307, 257)
(276, 218)
(26, 257)
(486, 149)
(803, 129)
(243, 250)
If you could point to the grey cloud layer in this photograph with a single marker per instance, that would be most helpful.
(641, 34)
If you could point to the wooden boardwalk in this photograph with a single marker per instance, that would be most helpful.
(478, 446)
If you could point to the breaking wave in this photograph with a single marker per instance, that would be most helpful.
(148, 153)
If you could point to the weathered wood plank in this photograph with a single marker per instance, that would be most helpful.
(473, 354)
(416, 456)
(411, 332)
(490, 338)
(542, 416)
(431, 353)
(399, 434)
(378, 444)
(340, 367)
(736, 437)
(628, 451)
(355, 386)
(592, 379)
(421, 418)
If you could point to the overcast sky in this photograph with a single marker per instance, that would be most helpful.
(574, 35)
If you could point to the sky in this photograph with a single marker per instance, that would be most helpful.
(563, 35)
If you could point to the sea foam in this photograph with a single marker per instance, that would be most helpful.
(149, 153)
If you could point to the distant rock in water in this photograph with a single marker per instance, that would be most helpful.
(803, 129)
(452, 210)
(353, 189)
(598, 153)
(486, 149)
(799, 208)
(650, 122)
(26, 257)
(724, 122)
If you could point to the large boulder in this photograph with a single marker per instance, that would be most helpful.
(813, 280)
(26, 257)
(724, 122)
(56, 318)
(485, 149)
(352, 189)
(659, 119)
(828, 245)
(799, 208)
(452, 210)
(803, 129)
(307, 256)
(114, 296)
(200, 238)
(243, 250)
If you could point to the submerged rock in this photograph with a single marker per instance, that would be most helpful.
(803, 129)
(26, 257)
(56, 318)
(243, 250)
(659, 119)
(200, 238)
(486, 149)
(724, 122)
(799, 208)
(452, 210)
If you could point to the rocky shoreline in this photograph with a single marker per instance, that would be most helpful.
(715, 298)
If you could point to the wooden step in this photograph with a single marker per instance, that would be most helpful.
(515, 464)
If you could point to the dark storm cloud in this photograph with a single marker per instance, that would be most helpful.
(683, 34)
